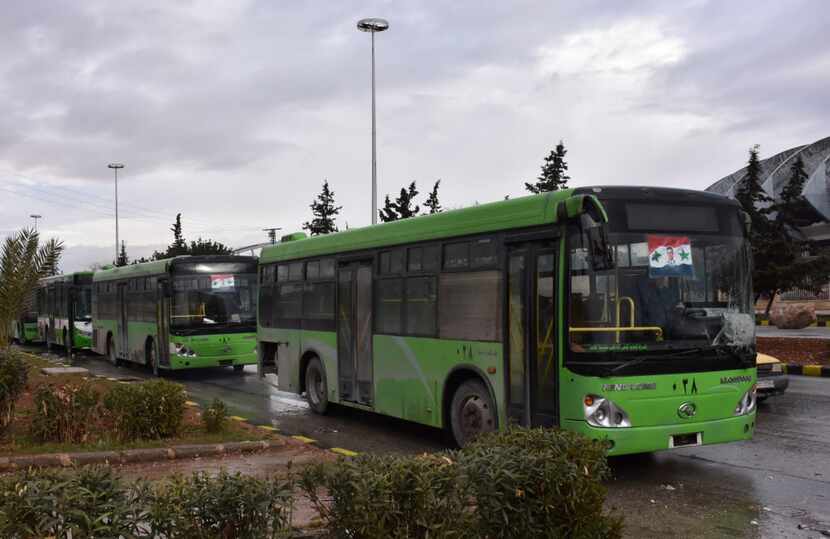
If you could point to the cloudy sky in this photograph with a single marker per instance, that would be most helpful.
(233, 113)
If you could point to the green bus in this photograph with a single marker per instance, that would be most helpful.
(621, 313)
(63, 311)
(184, 312)
(24, 330)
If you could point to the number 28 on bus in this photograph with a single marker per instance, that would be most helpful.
(622, 313)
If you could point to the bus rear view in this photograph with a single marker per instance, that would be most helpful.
(661, 341)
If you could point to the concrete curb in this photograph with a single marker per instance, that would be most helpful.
(131, 456)
(808, 370)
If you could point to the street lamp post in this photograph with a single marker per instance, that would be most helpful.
(35, 217)
(372, 26)
(115, 167)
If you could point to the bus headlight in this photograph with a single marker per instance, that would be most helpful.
(747, 403)
(184, 351)
(602, 412)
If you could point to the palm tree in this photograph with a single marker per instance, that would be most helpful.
(22, 262)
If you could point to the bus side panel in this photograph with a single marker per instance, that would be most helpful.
(410, 373)
(290, 352)
(102, 329)
(137, 333)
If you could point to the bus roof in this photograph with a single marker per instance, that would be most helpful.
(526, 211)
(76, 277)
(157, 267)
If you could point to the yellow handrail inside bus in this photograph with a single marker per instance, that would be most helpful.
(656, 329)
(630, 301)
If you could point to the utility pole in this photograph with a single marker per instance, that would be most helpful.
(373, 26)
(272, 233)
(115, 167)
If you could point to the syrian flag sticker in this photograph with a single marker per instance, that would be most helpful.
(670, 256)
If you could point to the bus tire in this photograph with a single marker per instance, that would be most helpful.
(471, 412)
(111, 355)
(238, 368)
(151, 358)
(316, 386)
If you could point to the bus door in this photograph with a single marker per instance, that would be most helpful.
(54, 305)
(532, 368)
(72, 294)
(163, 295)
(354, 331)
(123, 343)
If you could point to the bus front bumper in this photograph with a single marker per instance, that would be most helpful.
(624, 441)
(198, 362)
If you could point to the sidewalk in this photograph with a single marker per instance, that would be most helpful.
(806, 333)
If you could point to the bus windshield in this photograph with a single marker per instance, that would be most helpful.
(681, 281)
(83, 303)
(206, 300)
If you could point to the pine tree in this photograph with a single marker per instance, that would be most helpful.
(554, 172)
(432, 200)
(179, 246)
(208, 247)
(403, 207)
(123, 259)
(750, 192)
(405, 203)
(324, 212)
(792, 206)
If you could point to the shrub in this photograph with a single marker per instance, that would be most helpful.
(538, 483)
(63, 413)
(390, 496)
(517, 483)
(93, 502)
(14, 374)
(227, 506)
(90, 502)
(215, 416)
(149, 410)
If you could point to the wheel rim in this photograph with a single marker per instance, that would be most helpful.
(315, 386)
(475, 417)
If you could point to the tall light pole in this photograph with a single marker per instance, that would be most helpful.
(35, 217)
(372, 26)
(115, 167)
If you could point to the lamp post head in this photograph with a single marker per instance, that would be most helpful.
(372, 25)
(35, 216)
(115, 165)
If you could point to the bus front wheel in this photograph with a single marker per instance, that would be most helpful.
(471, 412)
(316, 386)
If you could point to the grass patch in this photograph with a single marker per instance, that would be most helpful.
(101, 435)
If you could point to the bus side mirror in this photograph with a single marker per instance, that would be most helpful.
(599, 249)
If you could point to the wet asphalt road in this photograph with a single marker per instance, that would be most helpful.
(766, 487)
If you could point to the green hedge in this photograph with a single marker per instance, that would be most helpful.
(64, 413)
(149, 410)
(215, 416)
(14, 374)
(93, 502)
(518, 483)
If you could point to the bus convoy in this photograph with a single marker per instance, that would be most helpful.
(622, 313)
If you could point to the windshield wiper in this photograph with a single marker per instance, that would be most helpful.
(641, 359)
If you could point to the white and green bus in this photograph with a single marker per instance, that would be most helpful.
(185, 312)
(63, 311)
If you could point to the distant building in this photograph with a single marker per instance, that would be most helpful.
(775, 171)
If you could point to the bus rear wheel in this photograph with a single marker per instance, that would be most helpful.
(150, 357)
(316, 386)
(471, 413)
(113, 358)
